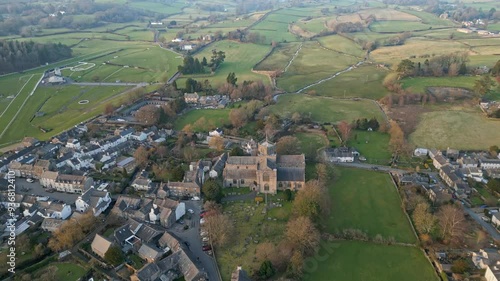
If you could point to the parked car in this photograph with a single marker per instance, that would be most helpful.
(196, 198)
(206, 248)
(30, 180)
(205, 239)
(191, 211)
(202, 221)
(181, 221)
(209, 252)
(203, 233)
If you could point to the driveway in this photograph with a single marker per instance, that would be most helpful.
(24, 187)
(192, 236)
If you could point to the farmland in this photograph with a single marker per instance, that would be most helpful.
(456, 128)
(323, 109)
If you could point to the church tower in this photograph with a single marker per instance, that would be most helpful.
(267, 148)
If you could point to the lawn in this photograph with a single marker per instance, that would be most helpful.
(69, 272)
(363, 82)
(372, 145)
(214, 117)
(458, 129)
(353, 260)
(368, 201)
(310, 143)
(324, 109)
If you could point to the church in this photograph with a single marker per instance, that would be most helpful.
(267, 172)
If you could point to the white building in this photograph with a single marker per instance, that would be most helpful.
(97, 201)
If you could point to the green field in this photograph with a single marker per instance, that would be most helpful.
(323, 109)
(352, 260)
(363, 82)
(312, 64)
(69, 272)
(398, 26)
(420, 84)
(280, 57)
(458, 129)
(368, 201)
(310, 143)
(342, 45)
(374, 146)
(214, 118)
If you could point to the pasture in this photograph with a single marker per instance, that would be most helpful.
(354, 260)
(398, 26)
(420, 84)
(310, 143)
(374, 146)
(368, 201)
(460, 129)
(363, 82)
(312, 64)
(324, 109)
(240, 59)
(342, 45)
(280, 57)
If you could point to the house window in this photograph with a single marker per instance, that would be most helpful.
(288, 184)
(265, 177)
(235, 181)
(242, 181)
(280, 184)
(266, 187)
(299, 185)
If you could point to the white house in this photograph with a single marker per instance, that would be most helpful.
(490, 163)
(56, 211)
(73, 143)
(495, 219)
(421, 152)
(187, 47)
(97, 201)
(139, 136)
(216, 133)
(341, 154)
(177, 40)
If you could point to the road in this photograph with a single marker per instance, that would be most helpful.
(36, 189)
(486, 226)
(371, 167)
(192, 236)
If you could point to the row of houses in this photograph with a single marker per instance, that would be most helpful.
(215, 101)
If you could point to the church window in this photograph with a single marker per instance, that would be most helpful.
(266, 187)
(265, 177)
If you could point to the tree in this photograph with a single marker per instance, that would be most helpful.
(312, 201)
(141, 156)
(452, 222)
(423, 219)
(406, 67)
(220, 228)
(266, 270)
(460, 266)
(231, 78)
(204, 61)
(39, 250)
(114, 256)
(212, 190)
(483, 85)
(237, 151)
(495, 71)
(397, 140)
(148, 114)
(109, 109)
(288, 195)
(345, 130)
(494, 150)
(173, 22)
(288, 145)
(296, 263)
(217, 143)
(238, 117)
(302, 235)
(494, 185)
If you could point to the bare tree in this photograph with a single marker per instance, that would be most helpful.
(288, 145)
(220, 228)
(345, 130)
(238, 117)
(424, 220)
(397, 140)
(312, 201)
(141, 155)
(148, 114)
(452, 222)
(303, 235)
(217, 143)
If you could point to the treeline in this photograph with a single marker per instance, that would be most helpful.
(445, 65)
(27, 19)
(462, 12)
(248, 6)
(194, 66)
(21, 55)
(246, 36)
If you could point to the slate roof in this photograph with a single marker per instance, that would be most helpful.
(242, 160)
(291, 174)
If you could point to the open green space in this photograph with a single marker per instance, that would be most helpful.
(354, 260)
(398, 26)
(214, 118)
(364, 82)
(374, 146)
(460, 129)
(420, 84)
(342, 45)
(313, 63)
(69, 272)
(279, 57)
(368, 201)
(310, 143)
(324, 109)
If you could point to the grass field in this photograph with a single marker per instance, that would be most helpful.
(364, 82)
(312, 64)
(372, 145)
(69, 272)
(368, 201)
(214, 117)
(352, 260)
(342, 45)
(420, 84)
(323, 109)
(458, 129)
(398, 26)
(388, 15)
(279, 58)
(310, 143)
(240, 59)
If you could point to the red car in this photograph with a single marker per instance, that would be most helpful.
(206, 248)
